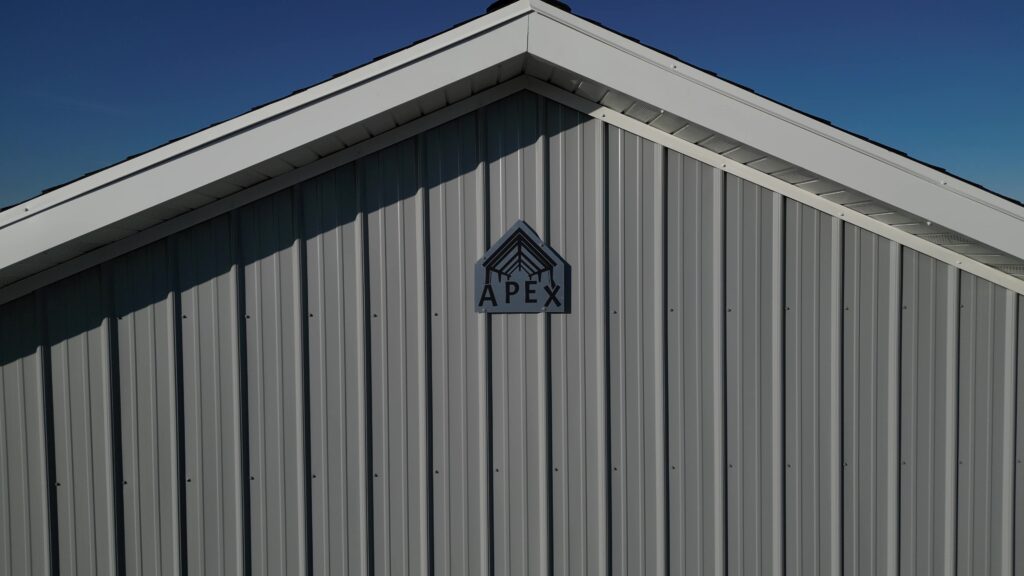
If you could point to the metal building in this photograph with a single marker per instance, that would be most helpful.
(782, 349)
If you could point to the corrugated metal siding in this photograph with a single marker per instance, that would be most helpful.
(928, 415)
(986, 427)
(754, 379)
(212, 348)
(812, 390)
(870, 431)
(26, 477)
(1018, 495)
(745, 385)
(146, 320)
(82, 358)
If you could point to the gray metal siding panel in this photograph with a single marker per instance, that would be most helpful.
(578, 393)
(24, 478)
(871, 343)
(743, 384)
(211, 362)
(986, 427)
(274, 326)
(398, 346)
(338, 404)
(78, 329)
(455, 196)
(754, 309)
(813, 333)
(928, 412)
(695, 341)
(636, 279)
(1018, 495)
(146, 324)
(519, 365)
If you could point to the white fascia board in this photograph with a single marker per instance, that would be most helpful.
(63, 215)
(642, 73)
(769, 182)
(108, 252)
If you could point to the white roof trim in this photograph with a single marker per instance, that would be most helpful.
(730, 166)
(49, 222)
(104, 198)
(617, 62)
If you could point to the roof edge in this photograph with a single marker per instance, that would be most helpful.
(665, 82)
(175, 148)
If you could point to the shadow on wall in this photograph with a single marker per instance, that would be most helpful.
(174, 357)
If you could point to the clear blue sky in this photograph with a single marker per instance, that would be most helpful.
(88, 83)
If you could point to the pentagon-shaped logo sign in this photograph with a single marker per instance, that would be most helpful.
(521, 274)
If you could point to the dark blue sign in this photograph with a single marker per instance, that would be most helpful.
(521, 274)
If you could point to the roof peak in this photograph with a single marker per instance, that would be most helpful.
(499, 4)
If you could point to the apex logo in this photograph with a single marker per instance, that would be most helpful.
(521, 274)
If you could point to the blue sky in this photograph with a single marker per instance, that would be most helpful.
(86, 84)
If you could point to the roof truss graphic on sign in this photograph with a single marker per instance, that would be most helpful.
(521, 274)
(527, 44)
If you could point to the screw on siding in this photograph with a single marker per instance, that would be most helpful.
(310, 314)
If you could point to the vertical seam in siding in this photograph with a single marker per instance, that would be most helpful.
(955, 489)
(779, 376)
(423, 266)
(836, 349)
(300, 270)
(364, 360)
(174, 314)
(236, 280)
(114, 447)
(483, 215)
